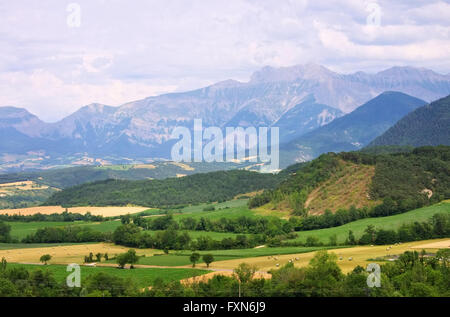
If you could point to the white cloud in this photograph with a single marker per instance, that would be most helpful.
(126, 50)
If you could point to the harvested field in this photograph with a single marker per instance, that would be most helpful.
(97, 211)
(183, 166)
(147, 166)
(25, 185)
(208, 276)
(359, 256)
(68, 253)
(434, 245)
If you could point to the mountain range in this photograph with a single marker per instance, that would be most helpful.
(296, 99)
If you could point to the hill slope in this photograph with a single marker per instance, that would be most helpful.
(354, 130)
(192, 189)
(427, 125)
(396, 183)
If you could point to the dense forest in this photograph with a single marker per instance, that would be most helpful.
(402, 181)
(192, 189)
(427, 125)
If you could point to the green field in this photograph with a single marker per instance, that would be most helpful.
(390, 222)
(142, 277)
(230, 204)
(178, 258)
(20, 230)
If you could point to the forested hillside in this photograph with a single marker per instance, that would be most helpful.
(427, 125)
(193, 189)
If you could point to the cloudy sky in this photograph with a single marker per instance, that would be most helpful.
(57, 56)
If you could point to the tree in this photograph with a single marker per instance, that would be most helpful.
(5, 230)
(128, 257)
(208, 259)
(132, 258)
(99, 257)
(194, 258)
(244, 274)
(3, 264)
(351, 238)
(333, 240)
(122, 259)
(45, 258)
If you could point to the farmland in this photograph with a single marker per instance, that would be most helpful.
(348, 258)
(141, 277)
(390, 222)
(100, 211)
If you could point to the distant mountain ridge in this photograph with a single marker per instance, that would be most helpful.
(273, 97)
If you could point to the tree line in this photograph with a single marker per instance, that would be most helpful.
(65, 216)
(247, 225)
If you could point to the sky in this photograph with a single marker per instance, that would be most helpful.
(57, 56)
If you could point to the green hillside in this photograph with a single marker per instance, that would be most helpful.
(193, 189)
(386, 223)
(399, 181)
(427, 125)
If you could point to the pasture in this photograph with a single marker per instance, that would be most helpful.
(143, 277)
(390, 222)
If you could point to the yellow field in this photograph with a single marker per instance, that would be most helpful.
(97, 211)
(208, 276)
(25, 185)
(66, 254)
(359, 255)
(145, 166)
(183, 166)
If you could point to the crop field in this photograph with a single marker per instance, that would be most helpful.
(63, 254)
(98, 211)
(18, 246)
(143, 277)
(25, 185)
(179, 258)
(390, 222)
(348, 258)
